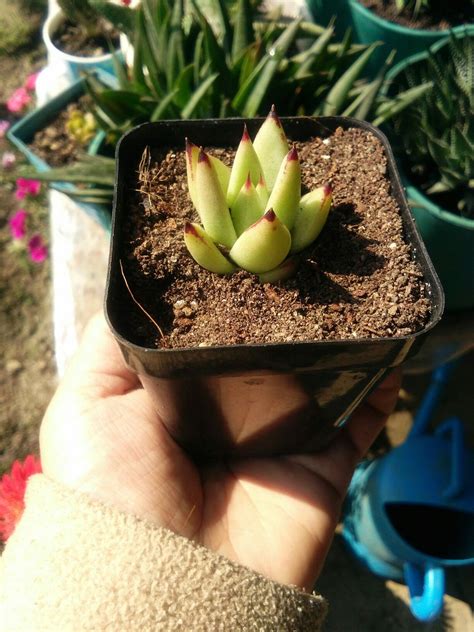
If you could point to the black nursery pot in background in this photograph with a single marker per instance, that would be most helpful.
(254, 399)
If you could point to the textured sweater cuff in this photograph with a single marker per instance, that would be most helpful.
(75, 564)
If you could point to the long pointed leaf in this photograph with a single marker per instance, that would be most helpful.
(337, 95)
(249, 97)
(197, 96)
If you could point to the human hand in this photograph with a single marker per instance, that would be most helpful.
(101, 436)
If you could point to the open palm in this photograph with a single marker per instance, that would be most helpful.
(101, 436)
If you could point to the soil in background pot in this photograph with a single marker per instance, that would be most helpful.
(54, 144)
(358, 280)
(440, 16)
(70, 39)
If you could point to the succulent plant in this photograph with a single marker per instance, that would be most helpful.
(81, 126)
(439, 148)
(253, 215)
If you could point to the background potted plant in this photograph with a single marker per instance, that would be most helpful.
(83, 33)
(251, 396)
(69, 133)
(240, 65)
(407, 26)
(435, 144)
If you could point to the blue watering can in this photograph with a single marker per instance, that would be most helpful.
(410, 514)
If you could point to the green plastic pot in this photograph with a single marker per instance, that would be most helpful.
(368, 27)
(448, 237)
(449, 240)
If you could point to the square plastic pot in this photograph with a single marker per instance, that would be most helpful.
(22, 133)
(256, 399)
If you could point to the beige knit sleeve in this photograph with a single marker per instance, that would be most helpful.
(73, 565)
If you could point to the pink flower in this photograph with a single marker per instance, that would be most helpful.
(18, 224)
(12, 494)
(30, 82)
(126, 2)
(37, 249)
(26, 187)
(4, 125)
(8, 159)
(18, 100)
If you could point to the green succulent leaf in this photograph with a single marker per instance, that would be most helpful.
(204, 251)
(247, 208)
(211, 204)
(246, 161)
(284, 271)
(271, 147)
(311, 217)
(262, 191)
(222, 171)
(285, 196)
(263, 246)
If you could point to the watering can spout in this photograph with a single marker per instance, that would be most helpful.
(426, 587)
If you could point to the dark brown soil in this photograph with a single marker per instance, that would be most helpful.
(439, 17)
(72, 40)
(54, 144)
(357, 281)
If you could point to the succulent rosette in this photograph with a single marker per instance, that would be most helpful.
(253, 215)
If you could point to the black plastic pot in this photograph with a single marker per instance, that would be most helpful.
(255, 399)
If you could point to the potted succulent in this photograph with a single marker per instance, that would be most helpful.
(55, 136)
(82, 33)
(437, 158)
(407, 26)
(271, 358)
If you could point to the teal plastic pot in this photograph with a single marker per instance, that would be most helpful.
(449, 240)
(448, 237)
(368, 27)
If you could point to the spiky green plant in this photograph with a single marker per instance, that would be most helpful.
(184, 67)
(252, 214)
(241, 64)
(435, 135)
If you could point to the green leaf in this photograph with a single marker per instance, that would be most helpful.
(271, 147)
(164, 109)
(249, 97)
(183, 86)
(204, 251)
(188, 111)
(247, 207)
(243, 29)
(211, 204)
(263, 246)
(285, 196)
(338, 93)
(387, 110)
(317, 48)
(368, 96)
(225, 29)
(310, 220)
(245, 162)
